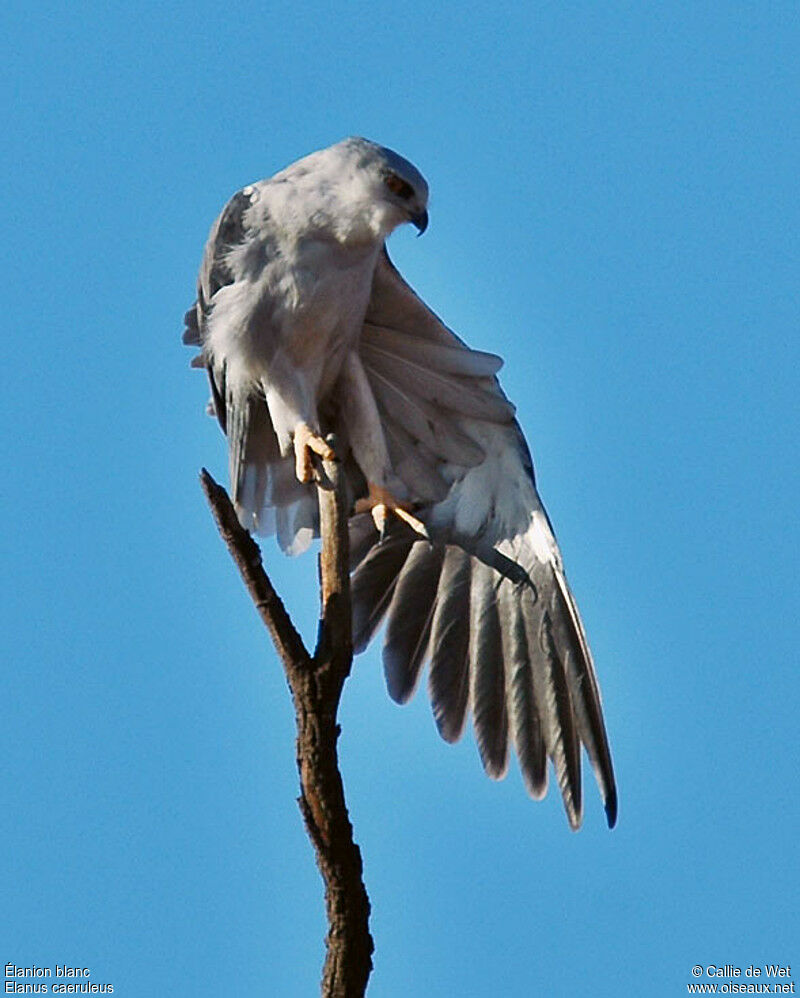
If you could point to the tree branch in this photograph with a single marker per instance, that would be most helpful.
(247, 555)
(316, 684)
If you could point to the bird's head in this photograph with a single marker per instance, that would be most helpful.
(376, 188)
(402, 188)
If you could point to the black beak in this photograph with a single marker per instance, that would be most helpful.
(420, 220)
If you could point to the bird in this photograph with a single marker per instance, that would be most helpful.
(316, 347)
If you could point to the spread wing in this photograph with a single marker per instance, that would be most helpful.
(486, 603)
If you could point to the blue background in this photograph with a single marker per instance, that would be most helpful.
(614, 209)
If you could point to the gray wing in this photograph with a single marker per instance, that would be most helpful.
(228, 231)
(486, 604)
(264, 488)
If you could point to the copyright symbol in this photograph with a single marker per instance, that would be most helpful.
(697, 970)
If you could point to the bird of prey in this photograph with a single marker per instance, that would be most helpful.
(306, 329)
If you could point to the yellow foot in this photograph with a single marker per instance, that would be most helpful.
(381, 503)
(306, 443)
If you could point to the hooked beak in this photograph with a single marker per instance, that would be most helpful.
(420, 220)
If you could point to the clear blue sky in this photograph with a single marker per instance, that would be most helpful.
(615, 210)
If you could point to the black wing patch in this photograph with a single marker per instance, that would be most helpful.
(228, 231)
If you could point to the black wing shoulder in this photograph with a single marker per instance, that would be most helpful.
(230, 229)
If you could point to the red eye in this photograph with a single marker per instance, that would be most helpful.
(399, 187)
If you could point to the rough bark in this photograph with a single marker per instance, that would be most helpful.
(316, 683)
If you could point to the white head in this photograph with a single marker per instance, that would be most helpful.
(364, 190)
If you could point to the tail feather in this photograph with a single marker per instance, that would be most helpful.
(410, 618)
(561, 735)
(372, 586)
(584, 693)
(524, 717)
(487, 672)
(449, 645)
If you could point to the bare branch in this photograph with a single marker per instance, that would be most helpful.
(336, 631)
(316, 686)
(247, 555)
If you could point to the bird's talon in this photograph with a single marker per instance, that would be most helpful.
(380, 504)
(380, 514)
(307, 443)
(416, 525)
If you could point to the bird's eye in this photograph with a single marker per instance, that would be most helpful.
(399, 186)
